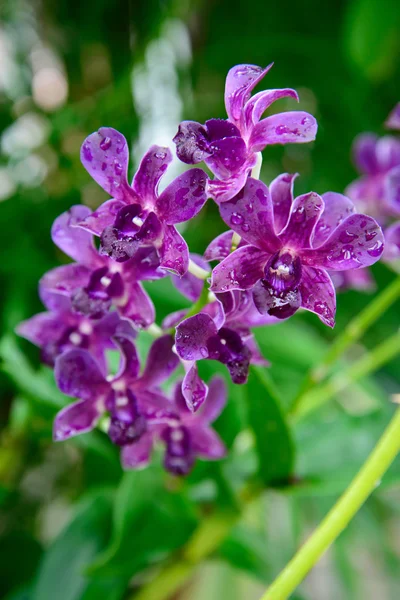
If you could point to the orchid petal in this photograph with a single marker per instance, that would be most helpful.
(216, 400)
(161, 362)
(281, 190)
(304, 215)
(97, 221)
(79, 417)
(220, 247)
(189, 285)
(138, 454)
(240, 82)
(258, 104)
(78, 375)
(318, 294)
(174, 252)
(336, 208)
(207, 443)
(240, 270)
(183, 198)
(73, 241)
(192, 335)
(152, 167)
(194, 390)
(295, 127)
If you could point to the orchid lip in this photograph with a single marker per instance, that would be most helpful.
(282, 272)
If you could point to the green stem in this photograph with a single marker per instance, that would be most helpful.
(340, 515)
(366, 365)
(351, 334)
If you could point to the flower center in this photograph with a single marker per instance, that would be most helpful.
(282, 272)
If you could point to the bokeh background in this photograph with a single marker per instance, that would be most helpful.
(72, 525)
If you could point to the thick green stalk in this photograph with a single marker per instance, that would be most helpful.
(351, 334)
(340, 515)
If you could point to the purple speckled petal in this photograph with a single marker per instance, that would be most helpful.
(57, 286)
(318, 294)
(192, 143)
(161, 362)
(364, 153)
(392, 189)
(393, 120)
(174, 252)
(357, 242)
(295, 127)
(281, 190)
(152, 167)
(74, 241)
(240, 82)
(392, 242)
(228, 157)
(216, 400)
(258, 104)
(280, 306)
(103, 217)
(129, 363)
(192, 336)
(250, 214)
(145, 265)
(304, 215)
(207, 443)
(137, 455)
(221, 191)
(105, 156)
(77, 374)
(189, 285)
(240, 270)
(337, 208)
(183, 198)
(43, 328)
(217, 129)
(136, 305)
(194, 390)
(220, 247)
(75, 419)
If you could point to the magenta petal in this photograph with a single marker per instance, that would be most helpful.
(174, 252)
(258, 104)
(136, 305)
(183, 198)
(220, 247)
(281, 306)
(103, 217)
(192, 335)
(228, 156)
(281, 190)
(75, 419)
(145, 265)
(161, 362)
(392, 189)
(388, 152)
(216, 400)
(304, 215)
(194, 390)
(42, 328)
(57, 285)
(240, 270)
(152, 167)
(207, 443)
(192, 143)
(105, 156)
(137, 455)
(250, 214)
(240, 82)
(364, 153)
(393, 120)
(129, 365)
(189, 285)
(73, 241)
(223, 190)
(295, 127)
(336, 208)
(318, 294)
(77, 374)
(392, 242)
(357, 242)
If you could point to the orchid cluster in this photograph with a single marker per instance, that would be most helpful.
(276, 257)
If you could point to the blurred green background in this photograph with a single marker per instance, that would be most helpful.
(72, 525)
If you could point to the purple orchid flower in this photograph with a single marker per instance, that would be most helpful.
(229, 148)
(392, 243)
(54, 333)
(95, 283)
(131, 400)
(138, 215)
(393, 120)
(377, 191)
(291, 245)
(185, 436)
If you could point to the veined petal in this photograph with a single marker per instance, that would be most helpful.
(194, 389)
(393, 120)
(57, 286)
(207, 443)
(105, 156)
(138, 454)
(174, 252)
(295, 127)
(74, 241)
(250, 214)
(77, 374)
(392, 242)
(258, 104)
(220, 247)
(216, 401)
(97, 221)
(145, 265)
(240, 270)
(75, 419)
(161, 362)
(304, 215)
(337, 208)
(318, 294)
(240, 82)
(223, 190)
(357, 242)
(152, 167)
(192, 335)
(136, 305)
(183, 198)
(281, 190)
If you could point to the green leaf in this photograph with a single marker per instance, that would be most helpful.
(15, 572)
(61, 574)
(273, 439)
(246, 549)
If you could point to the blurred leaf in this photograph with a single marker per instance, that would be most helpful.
(15, 572)
(61, 574)
(246, 550)
(272, 435)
